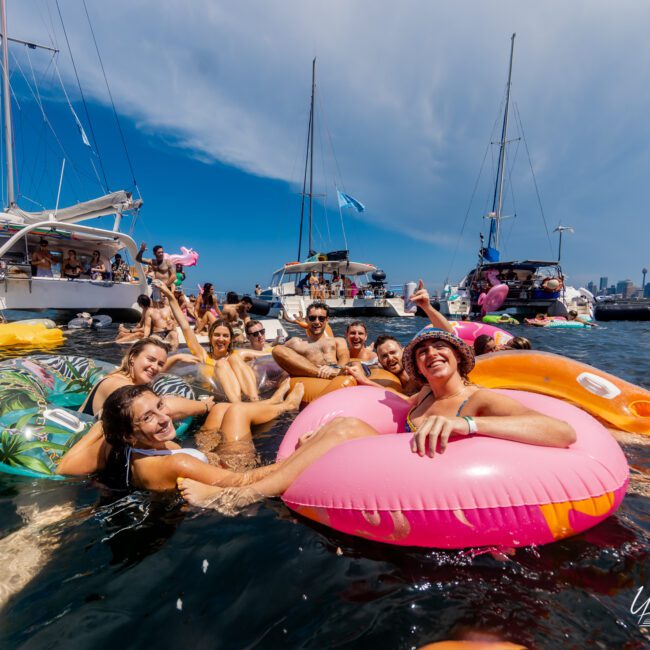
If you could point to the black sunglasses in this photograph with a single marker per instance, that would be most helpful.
(320, 319)
(257, 333)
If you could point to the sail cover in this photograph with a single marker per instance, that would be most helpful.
(113, 203)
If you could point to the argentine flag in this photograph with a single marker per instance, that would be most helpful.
(346, 201)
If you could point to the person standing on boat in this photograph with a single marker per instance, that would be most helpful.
(162, 269)
(319, 356)
(42, 259)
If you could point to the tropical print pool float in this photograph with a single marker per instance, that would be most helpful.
(39, 398)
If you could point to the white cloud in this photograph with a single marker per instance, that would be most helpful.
(410, 89)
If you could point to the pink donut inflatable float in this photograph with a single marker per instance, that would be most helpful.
(482, 492)
(469, 330)
(493, 299)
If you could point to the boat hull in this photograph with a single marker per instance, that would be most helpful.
(61, 300)
(384, 307)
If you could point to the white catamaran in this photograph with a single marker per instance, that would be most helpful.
(534, 286)
(349, 288)
(22, 290)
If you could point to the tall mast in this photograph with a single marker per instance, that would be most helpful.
(6, 96)
(311, 155)
(497, 203)
(309, 164)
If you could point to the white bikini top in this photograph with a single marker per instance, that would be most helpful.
(199, 455)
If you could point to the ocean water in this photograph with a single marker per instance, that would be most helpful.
(143, 570)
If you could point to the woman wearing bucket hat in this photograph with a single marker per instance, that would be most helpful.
(448, 405)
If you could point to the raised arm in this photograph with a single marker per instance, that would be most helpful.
(190, 337)
(139, 258)
(421, 298)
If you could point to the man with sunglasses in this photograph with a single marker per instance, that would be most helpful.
(319, 356)
(256, 335)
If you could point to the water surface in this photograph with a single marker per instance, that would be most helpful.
(142, 570)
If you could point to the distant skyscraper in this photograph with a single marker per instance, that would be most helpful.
(646, 291)
(591, 286)
(603, 283)
(626, 288)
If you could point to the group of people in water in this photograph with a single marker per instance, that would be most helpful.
(133, 440)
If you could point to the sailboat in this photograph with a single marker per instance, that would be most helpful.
(348, 288)
(534, 286)
(23, 292)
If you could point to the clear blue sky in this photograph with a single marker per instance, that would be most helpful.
(213, 98)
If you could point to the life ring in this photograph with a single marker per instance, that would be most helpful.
(37, 335)
(621, 404)
(468, 331)
(39, 423)
(376, 488)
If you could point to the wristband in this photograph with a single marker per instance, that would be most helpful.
(471, 423)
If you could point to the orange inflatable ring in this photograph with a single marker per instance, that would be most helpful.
(386, 379)
(617, 402)
(315, 387)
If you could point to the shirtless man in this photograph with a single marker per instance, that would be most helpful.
(319, 356)
(162, 269)
(126, 335)
(235, 312)
(356, 336)
(389, 354)
(42, 259)
(160, 322)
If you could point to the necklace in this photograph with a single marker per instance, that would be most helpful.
(458, 392)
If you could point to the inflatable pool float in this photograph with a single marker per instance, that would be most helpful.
(37, 335)
(619, 403)
(557, 322)
(482, 491)
(268, 373)
(316, 387)
(469, 330)
(48, 322)
(493, 299)
(39, 398)
(93, 322)
(499, 319)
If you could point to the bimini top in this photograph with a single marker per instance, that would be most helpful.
(344, 267)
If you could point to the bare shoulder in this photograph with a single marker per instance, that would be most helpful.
(489, 402)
